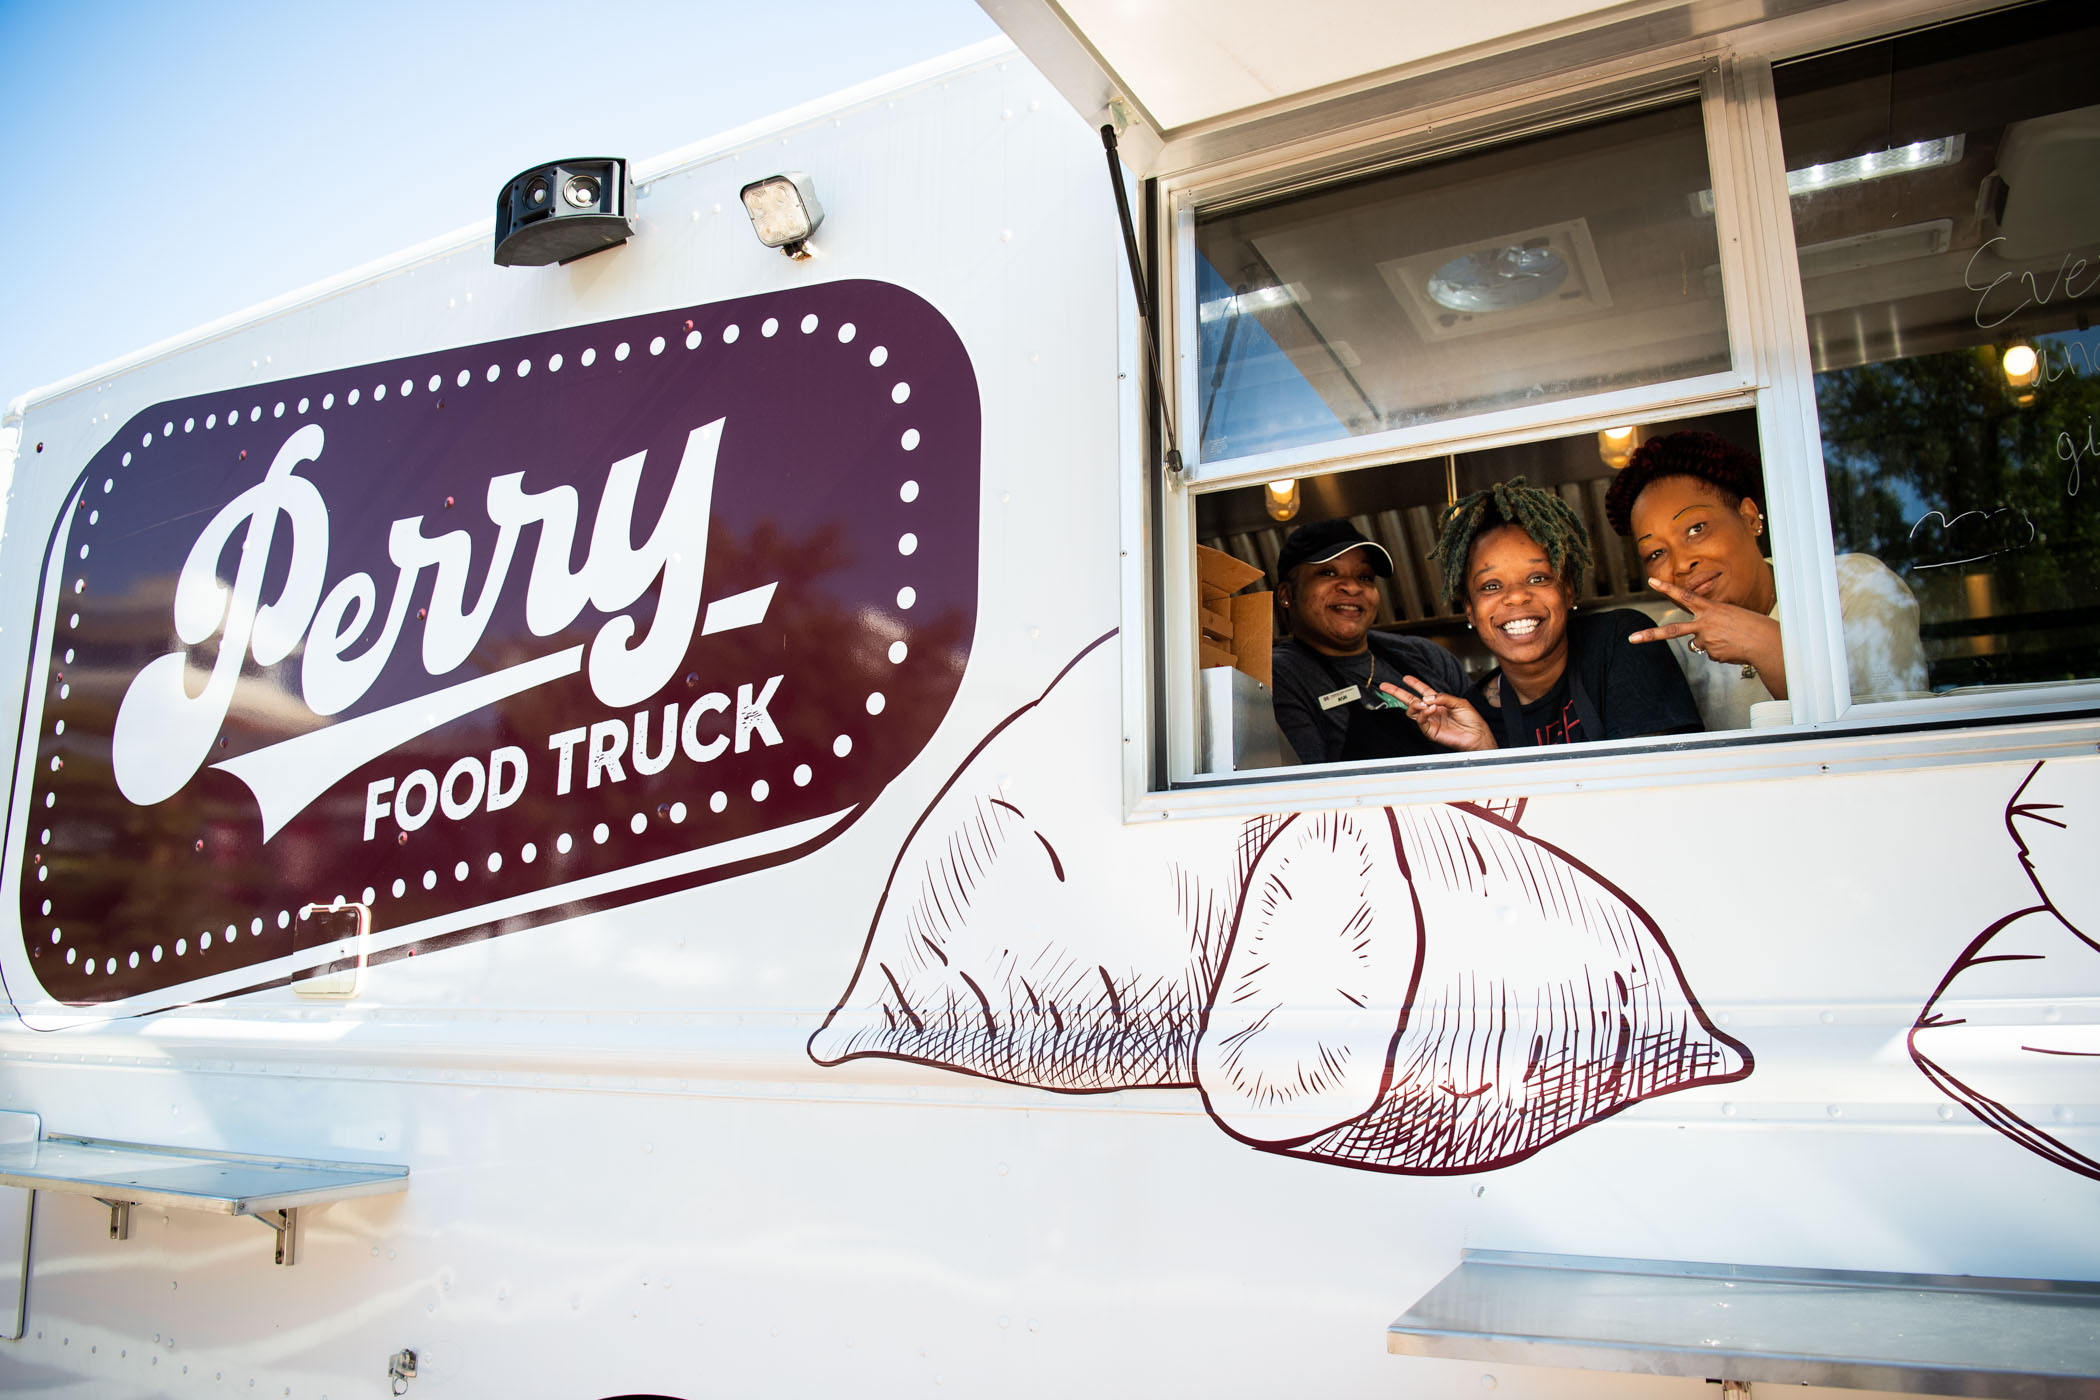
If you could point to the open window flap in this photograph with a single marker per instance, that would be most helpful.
(1189, 81)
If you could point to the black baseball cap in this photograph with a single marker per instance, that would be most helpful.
(1329, 539)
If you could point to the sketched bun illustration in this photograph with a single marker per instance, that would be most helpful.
(1421, 990)
(1299, 1035)
(490, 636)
(1544, 1000)
(1019, 937)
(1976, 1038)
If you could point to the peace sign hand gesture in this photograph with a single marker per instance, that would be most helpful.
(1447, 720)
(1729, 634)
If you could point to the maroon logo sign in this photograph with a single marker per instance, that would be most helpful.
(493, 635)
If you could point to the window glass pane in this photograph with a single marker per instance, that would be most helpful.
(1946, 203)
(1566, 264)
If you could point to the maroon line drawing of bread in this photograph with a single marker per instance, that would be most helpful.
(1019, 938)
(1977, 1039)
(1299, 1035)
(1540, 999)
(1420, 990)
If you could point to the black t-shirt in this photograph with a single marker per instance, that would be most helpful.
(1629, 689)
(1300, 676)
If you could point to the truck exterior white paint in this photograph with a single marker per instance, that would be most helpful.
(643, 1162)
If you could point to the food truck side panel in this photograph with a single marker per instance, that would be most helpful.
(948, 1094)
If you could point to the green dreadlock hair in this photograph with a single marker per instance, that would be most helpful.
(1539, 513)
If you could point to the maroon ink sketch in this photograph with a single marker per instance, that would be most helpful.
(492, 636)
(1977, 1038)
(1018, 938)
(1539, 998)
(1420, 990)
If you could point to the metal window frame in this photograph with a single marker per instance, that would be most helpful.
(1771, 372)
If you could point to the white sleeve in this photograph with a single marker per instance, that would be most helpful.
(1885, 657)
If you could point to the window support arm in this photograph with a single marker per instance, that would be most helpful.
(1144, 299)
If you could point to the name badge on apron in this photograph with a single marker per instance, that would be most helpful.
(1346, 696)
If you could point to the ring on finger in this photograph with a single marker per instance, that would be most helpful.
(1694, 645)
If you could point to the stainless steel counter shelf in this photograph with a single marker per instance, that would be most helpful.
(123, 1174)
(2021, 1339)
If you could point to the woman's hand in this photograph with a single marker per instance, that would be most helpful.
(1729, 634)
(1446, 720)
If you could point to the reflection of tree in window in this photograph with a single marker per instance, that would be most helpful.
(1942, 191)
(1936, 466)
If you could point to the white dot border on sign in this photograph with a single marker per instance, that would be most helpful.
(481, 370)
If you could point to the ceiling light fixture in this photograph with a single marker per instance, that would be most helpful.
(1615, 446)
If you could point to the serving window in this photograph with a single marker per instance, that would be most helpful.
(1397, 507)
(1377, 344)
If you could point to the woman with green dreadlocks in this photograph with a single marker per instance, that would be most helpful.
(1511, 556)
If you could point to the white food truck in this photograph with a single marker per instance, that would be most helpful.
(678, 793)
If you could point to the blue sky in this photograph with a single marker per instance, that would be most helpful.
(176, 162)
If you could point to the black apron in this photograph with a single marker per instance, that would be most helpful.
(1373, 731)
(1513, 736)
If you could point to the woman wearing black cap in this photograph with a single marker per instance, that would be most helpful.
(1330, 674)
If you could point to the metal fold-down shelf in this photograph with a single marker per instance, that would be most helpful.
(2024, 1339)
(123, 1174)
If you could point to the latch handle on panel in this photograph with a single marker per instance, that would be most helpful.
(341, 931)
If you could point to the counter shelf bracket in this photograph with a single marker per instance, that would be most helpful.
(119, 1218)
(285, 1225)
